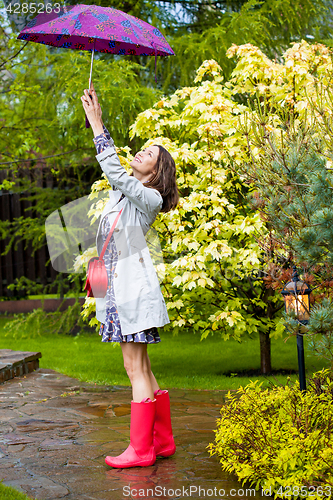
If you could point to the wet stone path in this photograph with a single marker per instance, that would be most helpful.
(56, 431)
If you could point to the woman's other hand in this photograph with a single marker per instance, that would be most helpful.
(93, 110)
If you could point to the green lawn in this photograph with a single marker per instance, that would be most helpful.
(178, 361)
(7, 493)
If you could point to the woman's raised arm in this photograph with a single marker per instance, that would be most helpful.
(146, 199)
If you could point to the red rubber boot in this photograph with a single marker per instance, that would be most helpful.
(163, 439)
(140, 452)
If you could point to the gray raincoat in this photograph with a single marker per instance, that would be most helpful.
(139, 300)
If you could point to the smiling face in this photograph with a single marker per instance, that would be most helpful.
(144, 162)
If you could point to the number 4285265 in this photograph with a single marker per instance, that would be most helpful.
(32, 8)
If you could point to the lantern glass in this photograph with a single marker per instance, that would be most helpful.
(297, 300)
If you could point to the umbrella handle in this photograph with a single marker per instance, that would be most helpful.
(87, 121)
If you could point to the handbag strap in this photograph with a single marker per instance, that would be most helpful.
(109, 236)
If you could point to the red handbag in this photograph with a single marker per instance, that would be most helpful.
(97, 276)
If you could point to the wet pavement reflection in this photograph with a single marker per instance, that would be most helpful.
(56, 431)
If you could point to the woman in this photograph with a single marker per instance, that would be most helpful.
(134, 307)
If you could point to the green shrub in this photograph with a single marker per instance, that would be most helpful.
(280, 438)
(39, 322)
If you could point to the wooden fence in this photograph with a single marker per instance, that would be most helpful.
(19, 261)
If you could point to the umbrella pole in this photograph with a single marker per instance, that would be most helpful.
(91, 67)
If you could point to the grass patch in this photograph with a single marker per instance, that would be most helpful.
(177, 361)
(8, 493)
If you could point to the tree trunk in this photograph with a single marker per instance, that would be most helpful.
(265, 353)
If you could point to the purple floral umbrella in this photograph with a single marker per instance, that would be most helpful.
(100, 29)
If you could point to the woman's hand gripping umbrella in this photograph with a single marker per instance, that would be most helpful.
(93, 110)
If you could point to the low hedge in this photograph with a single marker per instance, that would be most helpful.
(280, 439)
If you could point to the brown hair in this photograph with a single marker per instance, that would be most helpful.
(164, 180)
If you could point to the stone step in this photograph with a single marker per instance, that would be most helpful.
(17, 363)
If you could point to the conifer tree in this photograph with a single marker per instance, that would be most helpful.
(290, 153)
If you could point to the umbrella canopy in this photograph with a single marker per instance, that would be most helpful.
(101, 29)
(94, 28)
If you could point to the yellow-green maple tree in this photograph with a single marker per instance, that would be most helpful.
(212, 257)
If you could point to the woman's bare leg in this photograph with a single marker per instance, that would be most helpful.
(153, 380)
(135, 362)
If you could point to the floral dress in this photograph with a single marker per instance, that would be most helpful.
(111, 330)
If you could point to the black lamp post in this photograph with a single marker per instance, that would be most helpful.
(296, 296)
